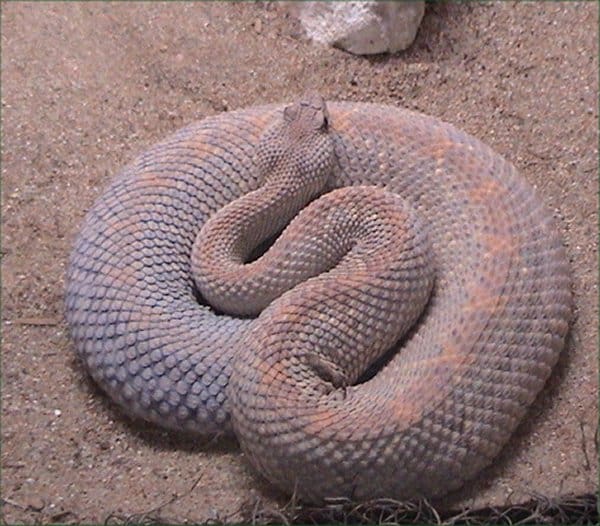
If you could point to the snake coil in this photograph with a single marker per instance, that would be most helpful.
(426, 236)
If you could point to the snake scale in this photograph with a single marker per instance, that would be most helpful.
(406, 243)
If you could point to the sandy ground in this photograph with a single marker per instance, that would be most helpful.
(85, 87)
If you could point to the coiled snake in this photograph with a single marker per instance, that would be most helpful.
(428, 255)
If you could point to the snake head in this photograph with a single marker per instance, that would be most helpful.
(297, 150)
(309, 114)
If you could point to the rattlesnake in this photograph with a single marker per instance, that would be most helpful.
(424, 235)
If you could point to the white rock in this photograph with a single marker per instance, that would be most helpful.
(362, 28)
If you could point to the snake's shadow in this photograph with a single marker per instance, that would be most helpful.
(150, 434)
(160, 439)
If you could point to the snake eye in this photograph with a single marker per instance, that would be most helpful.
(290, 113)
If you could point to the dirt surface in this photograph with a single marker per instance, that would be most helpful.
(85, 87)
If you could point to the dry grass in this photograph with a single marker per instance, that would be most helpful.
(567, 510)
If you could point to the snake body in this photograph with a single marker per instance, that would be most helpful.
(428, 246)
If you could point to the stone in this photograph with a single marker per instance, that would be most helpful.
(362, 28)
